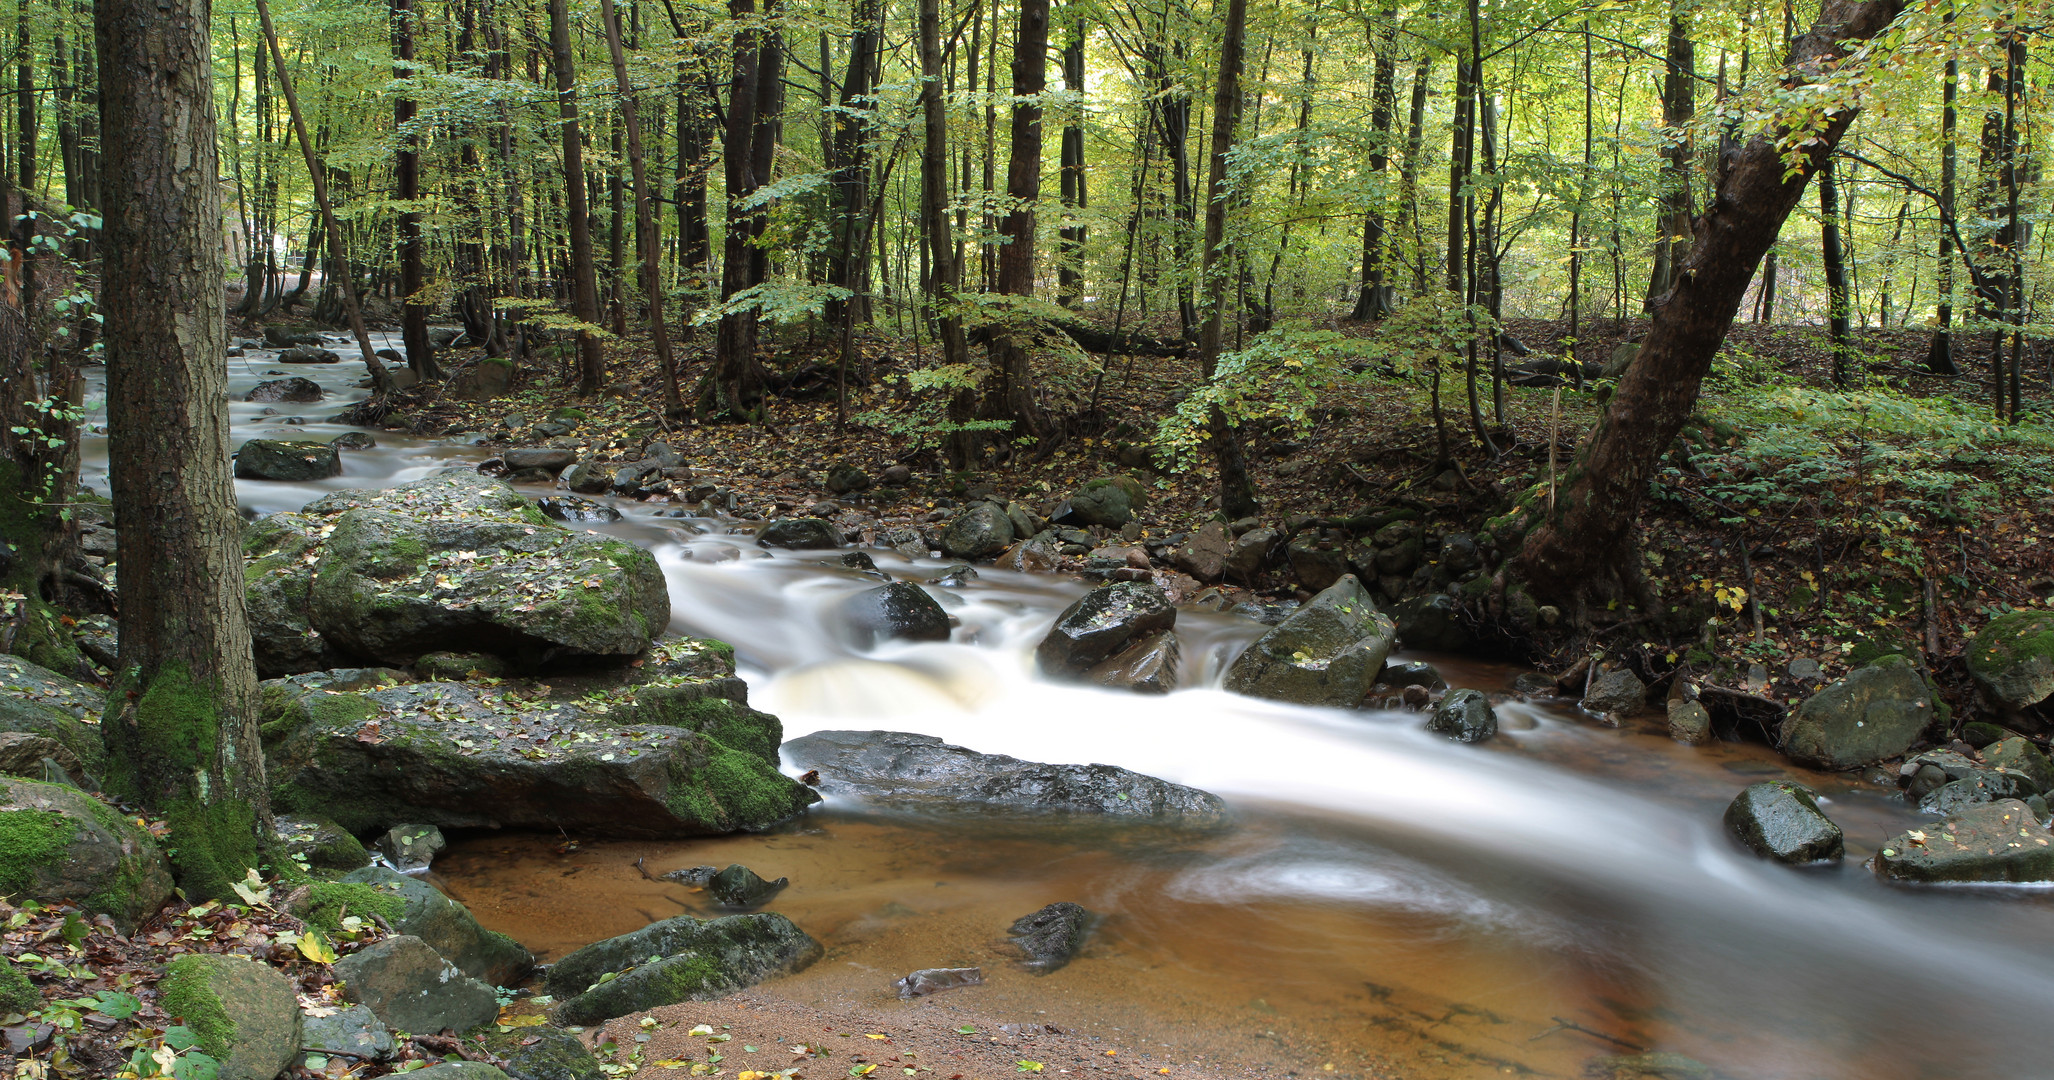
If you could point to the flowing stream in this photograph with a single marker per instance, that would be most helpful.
(1389, 902)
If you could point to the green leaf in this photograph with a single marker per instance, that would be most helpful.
(194, 1065)
(180, 1037)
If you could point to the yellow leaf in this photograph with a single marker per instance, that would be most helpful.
(877, 1036)
(315, 947)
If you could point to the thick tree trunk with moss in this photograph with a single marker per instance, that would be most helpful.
(181, 722)
(1583, 541)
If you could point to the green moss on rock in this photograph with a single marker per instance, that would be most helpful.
(17, 994)
(187, 993)
(329, 902)
(30, 839)
(2012, 659)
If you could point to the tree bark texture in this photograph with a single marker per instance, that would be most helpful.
(181, 728)
(1237, 491)
(413, 276)
(584, 277)
(1011, 396)
(1585, 538)
(645, 219)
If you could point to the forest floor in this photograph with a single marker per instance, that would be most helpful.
(1807, 521)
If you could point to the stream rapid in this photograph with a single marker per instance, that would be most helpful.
(1388, 903)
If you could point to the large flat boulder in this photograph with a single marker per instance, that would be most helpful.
(662, 759)
(454, 561)
(59, 844)
(677, 959)
(39, 702)
(898, 770)
(1328, 652)
(1999, 841)
(1875, 712)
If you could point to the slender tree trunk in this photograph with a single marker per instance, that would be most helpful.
(1237, 490)
(413, 276)
(1372, 301)
(1679, 105)
(317, 175)
(646, 235)
(1011, 396)
(736, 390)
(946, 277)
(1581, 542)
(1836, 271)
(851, 162)
(1075, 189)
(1940, 354)
(584, 276)
(181, 729)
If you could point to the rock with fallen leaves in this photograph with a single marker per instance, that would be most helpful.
(35, 701)
(1328, 652)
(61, 844)
(1101, 624)
(448, 927)
(660, 759)
(450, 561)
(1999, 841)
(539, 1051)
(1875, 712)
(2012, 660)
(677, 959)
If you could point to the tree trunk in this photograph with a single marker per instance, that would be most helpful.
(1679, 104)
(584, 276)
(1836, 272)
(946, 277)
(1940, 354)
(1237, 491)
(413, 277)
(182, 732)
(736, 391)
(1373, 301)
(1583, 541)
(851, 164)
(646, 236)
(1075, 190)
(1011, 396)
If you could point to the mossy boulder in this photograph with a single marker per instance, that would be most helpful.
(411, 987)
(695, 960)
(2000, 841)
(980, 531)
(245, 1014)
(60, 844)
(2012, 659)
(447, 926)
(17, 993)
(541, 1052)
(1328, 652)
(1780, 820)
(37, 701)
(281, 459)
(1875, 712)
(664, 759)
(1108, 500)
(454, 560)
(320, 844)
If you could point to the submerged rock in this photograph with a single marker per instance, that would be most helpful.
(450, 561)
(678, 959)
(1875, 712)
(1101, 624)
(900, 610)
(2012, 659)
(277, 459)
(1464, 716)
(1053, 936)
(670, 758)
(1329, 652)
(1999, 841)
(1780, 820)
(903, 771)
(740, 887)
(934, 980)
(62, 845)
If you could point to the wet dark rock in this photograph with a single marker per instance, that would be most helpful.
(900, 610)
(1464, 716)
(1943, 781)
(320, 844)
(1148, 666)
(1250, 553)
(412, 847)
(66, 846)
(935, 980)
(554, 459)
(1689, 722)
(355, 1032)
(575, 510)
(1459, 554)
(800, 534)
(409, 986)
(696, 960)
(2000, 841)
(1101, 624)
(2012, 659)
(979, 532)
(294, 389)
(740, 887)
(664, 759)
(1053, 936)
(897, 476)
(1412, 673)
(860, 560)
(1317, 564)
(903, 771)
(354, 440)
(1329, 652)
(638, 478)
(1615, 694)
(589, 478)
(277, 459)
(448, 927)
(1873, 713)
(844, 478)
(1433, 622)
(285, 337)
(308, 354)
(955, 577)
(698, 877)
(1780, 820)
(1203, 554)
